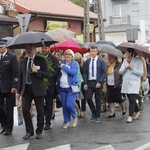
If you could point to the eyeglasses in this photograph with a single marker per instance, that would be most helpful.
(68, 54)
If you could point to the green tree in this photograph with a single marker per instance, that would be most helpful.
(78, 2)
(92, 6)
(81, 3)
(50, 68)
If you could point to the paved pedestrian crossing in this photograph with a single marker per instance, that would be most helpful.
(62, 147)
(17, 147)
(67, 147)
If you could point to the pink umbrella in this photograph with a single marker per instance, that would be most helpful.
(69, 44)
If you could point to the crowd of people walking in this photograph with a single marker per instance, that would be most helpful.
(42, 77)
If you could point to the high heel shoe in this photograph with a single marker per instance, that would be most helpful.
(53, 117)
(111, 116)
(137, 115)
(123, 113)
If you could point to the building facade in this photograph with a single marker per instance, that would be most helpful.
(6, 24)
(126, 14)
(50, 14)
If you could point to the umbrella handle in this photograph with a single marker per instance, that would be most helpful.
(42, 40)
(56, 47)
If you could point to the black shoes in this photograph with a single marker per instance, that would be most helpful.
(2, 130)
(123, 113)
(8, 133)
(27, 136)
(38, 136)
(53, 117)
(47, 127)
(111, 116)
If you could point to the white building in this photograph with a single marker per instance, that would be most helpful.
(126, 14)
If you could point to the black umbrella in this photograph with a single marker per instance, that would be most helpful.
(39, 39)
(7, 39)
(106, 42)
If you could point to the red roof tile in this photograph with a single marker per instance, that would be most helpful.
(63, 7)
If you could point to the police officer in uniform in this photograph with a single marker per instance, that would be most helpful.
(9, 72)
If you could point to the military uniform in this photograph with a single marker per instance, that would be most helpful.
(9, 72)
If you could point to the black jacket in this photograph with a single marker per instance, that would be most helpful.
(9, 72)
(37, 79)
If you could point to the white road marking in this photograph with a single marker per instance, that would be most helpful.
(107, 147)
(145, 146)
(62, 147)
(17, 147)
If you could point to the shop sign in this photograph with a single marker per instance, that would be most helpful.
(80, 37)
(91, 28)
(56, 24)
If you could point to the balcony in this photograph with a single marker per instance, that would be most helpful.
(119, 20)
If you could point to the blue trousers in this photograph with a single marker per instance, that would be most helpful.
(89, 94)
(68, 103)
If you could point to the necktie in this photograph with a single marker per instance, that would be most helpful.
(1, 56)
(93, 67)
(29, 71)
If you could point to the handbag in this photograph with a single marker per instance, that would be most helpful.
(145, 86)
(75, 88)
(18, 117)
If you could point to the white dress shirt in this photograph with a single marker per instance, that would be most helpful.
(95, 69)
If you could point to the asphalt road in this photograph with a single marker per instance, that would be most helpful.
(109, 134)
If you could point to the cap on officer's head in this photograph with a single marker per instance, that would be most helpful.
(2, 43)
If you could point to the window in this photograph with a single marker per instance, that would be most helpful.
(135, 6)
(120, 14)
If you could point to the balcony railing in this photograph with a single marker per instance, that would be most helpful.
(119, 20)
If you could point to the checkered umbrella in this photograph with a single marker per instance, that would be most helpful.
(61, 35)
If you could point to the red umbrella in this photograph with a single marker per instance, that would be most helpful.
(69, 44)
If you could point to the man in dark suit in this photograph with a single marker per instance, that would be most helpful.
(9, 72)
(33, 70)
(51, 87)
(93, 76)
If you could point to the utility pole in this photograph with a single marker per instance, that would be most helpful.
(100, 19)
(86, 21)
